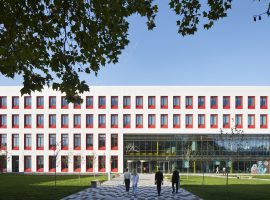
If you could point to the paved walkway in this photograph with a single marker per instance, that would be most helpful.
(115, 189)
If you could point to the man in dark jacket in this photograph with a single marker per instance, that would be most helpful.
(159, 180)
(175, 180)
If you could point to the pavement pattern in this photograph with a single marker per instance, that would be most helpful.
(115, 190)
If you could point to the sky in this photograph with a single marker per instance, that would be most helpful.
(234, 52)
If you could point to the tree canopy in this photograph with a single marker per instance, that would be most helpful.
(50, 42)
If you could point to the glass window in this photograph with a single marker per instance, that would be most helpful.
(3, 141)
(40, 162)
(40, 121)
(126, 102)
(101, 163)
(238, 121)
(27, 102)
(151, 120)
(40, 141)
(114, 163)
(64, 102)
(52, 140)
(77, 105)
(251, 121)
(263, 102)
(40, 102)
(27, 161)
(102, 102)
(226, 121)
(213, 121)
(176, 121)
(251, 102)
(77, 141)
(189, 121)
(77, 121)
(89, 121)
(201, 121)
(28, 141)
(89, 163)
(101, 141)
(238, 102)
(164, 120)
(201, 102)
(3, 121)
(214, 102)
(114, 102)
(27, 121)
(15, 102)
(89, 141)
(64, 141)
(52, 121)
(176, 102)
(189, 102)
(15, 141)
(226, 102)
(139, 102)
(151, 102)
(164, 102)
(139, 120)
(102, 121)
(64, 121)
(52, 102)
(126, 121)
(3, 102)
(114, 121)
(15, 121)
(77, 162)
(263, 121)
(89, 102)
(114, 141)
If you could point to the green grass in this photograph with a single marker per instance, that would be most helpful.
(30, 187)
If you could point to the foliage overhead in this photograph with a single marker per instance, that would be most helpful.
(50, 42)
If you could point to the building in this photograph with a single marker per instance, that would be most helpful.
(140, 127)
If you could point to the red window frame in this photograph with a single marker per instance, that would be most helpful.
(39, 169)
(27, 169)
(39, 106)
(101, 147)
(165, 106)
(179, 124)
(164, 125)
(64, 147)
(27, 147)
(114, 106)
(77, 105)
(27, 125)
(214, 125)
(99, 120)
(251, 106)
(52, 125)
(42, 147)
(99, 160)
(77, 147)
(139, 106)
(126, 125)
(66, 168)
(229, 122)
(114, 147)
(52, 159)
(201, 106)
(88, 147)
(13, 104)
(179, 100)
(265, 106)
(139, 125)
(2, 125)
(64, 125)
(74, 124)
(114, 125)
(114, 158)
(241, 100)
(13, 124)
(152, 125)
(27, 106)
(91, 106)
(214, 106)
(152, 106)
(2, 147)
(252, 125)
(51, 147)
(91, 160)
(89, 125)
(189, 106)
(189, 125)
(52, 106)
(266, 125)
(229, 102)
(201, 125)
(99, 100)
(3, 106)
(241, 124)
(13, 145)
(39, 125)
(77, 159)
(63, 98)
(126, 106)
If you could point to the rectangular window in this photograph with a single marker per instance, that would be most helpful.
(89, 141)
(176, 102)
(189, 102)
(40, 141)
(77, 163)
(77, 105)
(126, 102)
(15, 121)
(89, 102)
(27, 121)
(40, 121)
(114, 163)
(126, 121)
(52, 121)
(89, 121)
(226, 102)
(263, 121)
(238, 121)
(114, 102)
(52, 102)
(3, 121)
(176, 121)
(114, 142)
(15, 141)
(77, 121)
(251, 102)
(101, 141)
(139, 102)
(201, 102)
(263, 102)
(64, 103)
(102, 102)
(15, 102)
(52, 163)
(77, 141)
(101, 121)
(114, 121)
(226, 121)
(27, 164)
(164, 102)
(52, 141)
(27, 142)
(251, 121)
(151, 121)
(139, 121)
(201, 121)
(189, 121)
(89, 163)
(27, 102)
(64, 141)
(40, 164)
(151, 102)
(214, 121)
(101, 163)
(40, 102)
(3, 102)
(214, 102)
(3, 141)
(238, 102)
(164, 121)
(64, 163)
(64, 121)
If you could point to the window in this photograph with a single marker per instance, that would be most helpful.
(176, 121)
(263, 102)
(238, 121)
(251, 102)
(15, 141)
(251, 121)
(3, 141)
(114, 142)
(52, 102)
(126, 102)
(52, 163)
(64, 163)
(126, 121)
(164, 102)
(89, 121)
(27, 164)
(89, 163)
(114, 163)
(139, 102)
(114, 121)
(15, 102)
(89, 141)
(151, 102)
(77, 105)
(64, 103)
(189, 121)
(101, 141)
(102, 102)
(176, 102)
(52, 121)
(201, 121)
(64, 141)
(64, 121)
(214, 121)
(77, 121)
(226, 121)
(27, 121)
(226, 102)
(164, 121)
(102, 121)
(114, 102)
(40, 102)
(27, 142)
(263, 121)
(3, 121)
(214, 102)
(238, 102)
(40, 141)
(15, 121)
(77, 141)
(139, 121)
(101, 164)
(151, 121)
(40, 121)
(3, 102)
(77, 163)
(201, 102)
(52, 141)
(40, 164)
(27, 102)
(189, 102)
(89, 102)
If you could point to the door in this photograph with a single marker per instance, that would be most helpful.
(15, 163)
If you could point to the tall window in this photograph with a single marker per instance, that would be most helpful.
(164, 102)
(102, 102)
(214, 121)
(263, 102)
(77, 141)
(251, 102)
(151, 121)
(52, 121)
(114, 142)
(40, 102)
(27, 102)
(101, 164)
(64, 103)
(176, 121)
(214, 102)
(164, 121)
(3, 121)
(40, 141)
(89, 121)
(139, 121)
(176, 102)
(89, 163)
(40, 121)
(15, 141)
(263, 121)
(151, 102)
(52, 163)
(238, 102)
(114, 102)
(27, 142)
(226, 121)
(40, 163)
(251, 121)
(89, 141)
(3, 102)
(27, 164)
(114, 121)
(226, 102)
(89, 102)
(189, 102)
(15, 102)
(52, 141)
(15, 121)
(64, 121)
(189, 121)
(139, 102)
(27, 121)
(102, 121)
(201, 121)
(77, 121)
(77, 163)
(64, 141)
(201, 102)
(114, 163)
(126, 102)
(52, 102)
(238, 121)
(126, 120)
(64, 163)
(77, 105)
(3, 141)
(101, 141)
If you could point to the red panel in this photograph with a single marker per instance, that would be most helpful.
(114, 148)
(89, 148)
(40, 170)
(40, 148)
(52, 148)
(89, 170)
(77, 170)
(115, 170)
(89, 126)
(176, 126)
(52, 126)
(64, 170)
(102, 148)
(114, 126)
(64, 148)
(52, 170)
(77, 148)
(64, 126)
(77, 126)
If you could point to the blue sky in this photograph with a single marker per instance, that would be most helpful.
(234, 52)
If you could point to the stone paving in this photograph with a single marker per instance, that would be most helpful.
(115, 189)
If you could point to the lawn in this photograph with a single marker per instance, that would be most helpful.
(215, 189)
(30, 187)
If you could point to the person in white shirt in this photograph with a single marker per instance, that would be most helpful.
(135, 180)
(127, 177)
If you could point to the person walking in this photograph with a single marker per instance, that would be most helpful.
(159, 180)
(127, 177)
(217, 170)
(135, 180)
(175, 180)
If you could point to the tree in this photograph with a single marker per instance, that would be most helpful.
(51, 42)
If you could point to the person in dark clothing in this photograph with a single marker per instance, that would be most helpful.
(159, 180)
(175, 180)
(127, 177)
